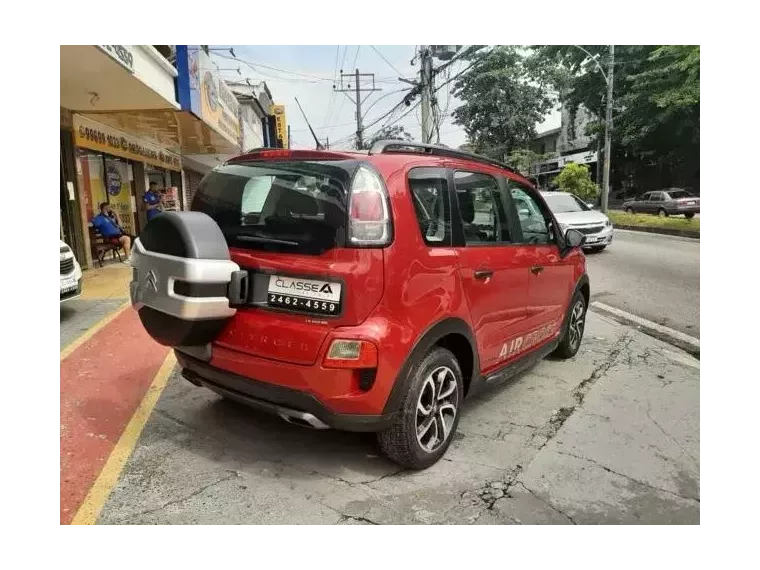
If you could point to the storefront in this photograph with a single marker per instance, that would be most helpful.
(117, 168)
(192, 181)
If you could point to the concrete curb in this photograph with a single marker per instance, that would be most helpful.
(664, 231)
(683, 341)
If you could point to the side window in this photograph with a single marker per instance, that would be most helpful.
(656, 197)
(534, 225)
(480, 208)
(429, 191)
(645, 197)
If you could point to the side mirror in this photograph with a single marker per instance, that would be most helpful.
(573, 239)
(590, 205)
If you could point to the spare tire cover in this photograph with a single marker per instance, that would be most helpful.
(181, 274)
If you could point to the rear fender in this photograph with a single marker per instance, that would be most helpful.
(422, 346)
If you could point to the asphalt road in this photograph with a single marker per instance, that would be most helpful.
(650, 275)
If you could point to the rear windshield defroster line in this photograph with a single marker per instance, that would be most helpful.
(297, 206)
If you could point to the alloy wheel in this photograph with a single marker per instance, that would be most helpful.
(577, 322)
(437, 408)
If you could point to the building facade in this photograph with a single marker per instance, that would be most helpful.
(256, 115)
(563, 145)
(132, 115)
(111, 97)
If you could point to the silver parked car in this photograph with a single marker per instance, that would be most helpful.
(670, 202)
(572, 212)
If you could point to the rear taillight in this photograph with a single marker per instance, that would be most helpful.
(369, 221)
(355, 354)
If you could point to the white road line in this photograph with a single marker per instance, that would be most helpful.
(666, 331)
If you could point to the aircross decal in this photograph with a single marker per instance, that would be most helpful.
(533, 338)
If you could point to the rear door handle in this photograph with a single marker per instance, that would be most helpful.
(536, 269)
(483, 274)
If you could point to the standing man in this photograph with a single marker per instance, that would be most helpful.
(153, 199)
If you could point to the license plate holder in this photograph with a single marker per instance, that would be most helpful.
(68, 284)
(313, 296)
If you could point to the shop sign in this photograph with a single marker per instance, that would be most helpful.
(95, 136)
(579, 158)
(280, 125)
(205, 94)
(122, 55)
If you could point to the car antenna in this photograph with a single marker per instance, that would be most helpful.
(320, 146)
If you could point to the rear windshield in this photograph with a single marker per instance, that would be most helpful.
(563, 203)
(295, 207)
(676, 194)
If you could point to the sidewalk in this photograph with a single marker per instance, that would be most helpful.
(107, 364)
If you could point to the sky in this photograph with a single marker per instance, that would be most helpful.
(308, 72)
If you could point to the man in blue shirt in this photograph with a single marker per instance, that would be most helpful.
(110, 230)
(152, 199)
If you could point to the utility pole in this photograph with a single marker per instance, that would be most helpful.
(426, 92)
(288, 136)
(608, 131)
(357, 90)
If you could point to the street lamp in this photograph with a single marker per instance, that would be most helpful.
(608, 79)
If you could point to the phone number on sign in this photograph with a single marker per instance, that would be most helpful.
(304, 304)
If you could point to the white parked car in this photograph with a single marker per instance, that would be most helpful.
(572, 212)
(71, 274)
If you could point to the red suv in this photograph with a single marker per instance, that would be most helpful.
(361, 291)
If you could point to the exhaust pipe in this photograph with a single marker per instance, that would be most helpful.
(302, 419)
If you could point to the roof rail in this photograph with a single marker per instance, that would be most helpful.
(398, 146)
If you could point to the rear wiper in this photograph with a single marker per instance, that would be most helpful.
(258, 239)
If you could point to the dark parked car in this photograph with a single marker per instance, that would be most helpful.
(672, 201)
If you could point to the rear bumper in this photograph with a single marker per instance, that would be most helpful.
(273, 399)
(685, 210)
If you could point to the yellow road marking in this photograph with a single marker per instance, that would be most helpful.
(96, 498)
(88, 334)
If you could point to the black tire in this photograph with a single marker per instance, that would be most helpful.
(689, 215)
(400, 442)
(662, 212)
(629, 210)
(570, 343)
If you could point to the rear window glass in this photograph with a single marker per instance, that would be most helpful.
(676, 194)
(295, 207)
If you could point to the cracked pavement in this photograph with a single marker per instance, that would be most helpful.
(609, 437)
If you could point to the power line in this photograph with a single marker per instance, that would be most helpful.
(391, 123)
(393, 67)
(332, 94)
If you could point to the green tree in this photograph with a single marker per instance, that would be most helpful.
(392, 132)
(502, 101)
(656, 106)
(576, 179)
(523, 158)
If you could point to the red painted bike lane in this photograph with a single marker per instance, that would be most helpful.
(103, 382)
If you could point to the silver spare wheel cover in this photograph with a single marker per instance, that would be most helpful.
(181, 279)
